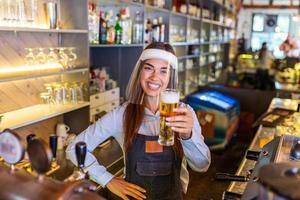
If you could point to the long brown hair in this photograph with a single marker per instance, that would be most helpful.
(135, 110)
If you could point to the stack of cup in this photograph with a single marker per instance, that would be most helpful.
(62, 133)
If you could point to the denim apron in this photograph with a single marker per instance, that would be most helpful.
(158, 173)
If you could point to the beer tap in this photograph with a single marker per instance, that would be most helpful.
(53, 146)
(12, 150)
(25, 164)
(30, 137)
(80, 151)
(227, 195)
(231, 177)
(252, 155)
(40, 157)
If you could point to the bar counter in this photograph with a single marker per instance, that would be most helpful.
(262, 136)
(109, 154)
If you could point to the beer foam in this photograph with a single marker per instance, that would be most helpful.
(169, 97)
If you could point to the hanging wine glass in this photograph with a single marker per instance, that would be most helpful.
(72, 57)
(52, 56)
(30, 59)
(41, 57)
(63, 57)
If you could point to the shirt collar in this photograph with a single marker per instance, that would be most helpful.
(149, 113)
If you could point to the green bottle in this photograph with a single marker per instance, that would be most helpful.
(118, 31)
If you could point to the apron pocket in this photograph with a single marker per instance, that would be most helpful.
(148, 168)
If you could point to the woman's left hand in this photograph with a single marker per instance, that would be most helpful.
(181, 123)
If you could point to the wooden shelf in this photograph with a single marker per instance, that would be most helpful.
(216, 23)
(210, 53)
(194, 18)
(132, 3)
(193, 69)
(188, 57)
(44, 75)
(157, 9)
(115, 45)
(41, 30)
(209, 63)
(180, 43)
(33, 114)
(179, 14)
(213, 42)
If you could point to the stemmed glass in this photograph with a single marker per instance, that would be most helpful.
(72, 57)
(52, 56)
(63, 57)
(30, 59)
(41, 57)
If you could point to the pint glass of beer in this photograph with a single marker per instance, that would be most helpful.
(169, 99)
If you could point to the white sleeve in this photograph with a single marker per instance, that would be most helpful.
(110, 125)
(195, 150)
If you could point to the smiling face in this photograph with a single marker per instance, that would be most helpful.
(155, 75)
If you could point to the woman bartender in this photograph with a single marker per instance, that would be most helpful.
(151, 173)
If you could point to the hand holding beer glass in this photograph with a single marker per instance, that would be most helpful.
(169, 99)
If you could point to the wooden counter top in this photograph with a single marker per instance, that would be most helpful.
(246, 165)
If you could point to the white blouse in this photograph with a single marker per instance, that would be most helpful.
(196, 153)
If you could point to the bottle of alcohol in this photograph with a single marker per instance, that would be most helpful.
(156, 30)
(110, 28)
(126, 25)
(161, 3)
(118, 31)
(102, 29)
(148, 32)
(161, 29)
(176, 5)
(137, 37)
(93, 24)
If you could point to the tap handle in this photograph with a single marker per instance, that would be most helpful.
(230, 177)
(30, 137)
(80, 150)
(252, 155)
(231, 196)
(53, 144)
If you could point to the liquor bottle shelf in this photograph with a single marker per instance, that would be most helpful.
(213, 42)
(188, 57)
(154, 8)
(216, 23)
(179, 14)
(115, 45)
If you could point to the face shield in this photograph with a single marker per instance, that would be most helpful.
(134, 92)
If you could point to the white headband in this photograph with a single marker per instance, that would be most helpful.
(160, 54)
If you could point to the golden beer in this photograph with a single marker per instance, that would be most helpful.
(169, 99)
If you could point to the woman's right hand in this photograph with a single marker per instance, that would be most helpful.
(122, 188)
